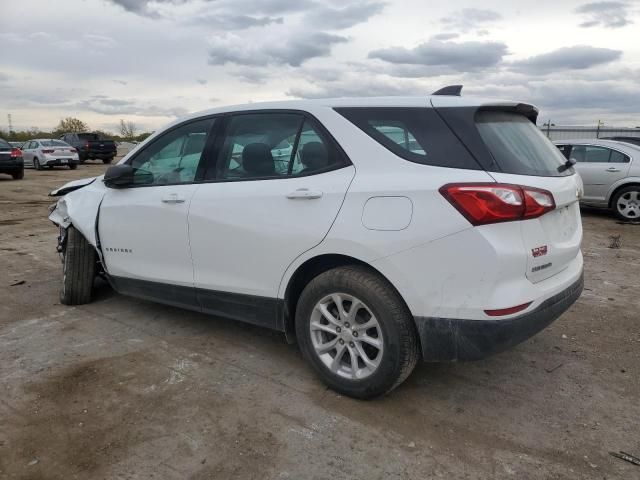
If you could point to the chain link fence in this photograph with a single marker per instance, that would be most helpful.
(559, 132)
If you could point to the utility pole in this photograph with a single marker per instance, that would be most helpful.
(600, 124)
(10, 126)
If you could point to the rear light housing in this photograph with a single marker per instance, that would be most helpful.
(15, 153)
(486, 203)
(73, 150)
(48, 151)
(86, 146)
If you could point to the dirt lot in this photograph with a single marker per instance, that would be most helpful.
(123, 388)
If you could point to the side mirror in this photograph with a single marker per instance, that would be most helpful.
(121, 176)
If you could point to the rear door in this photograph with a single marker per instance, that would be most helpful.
(274, 193)
(600, 167)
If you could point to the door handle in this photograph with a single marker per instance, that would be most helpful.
(304, 193)
(613, 169)
(172, 198)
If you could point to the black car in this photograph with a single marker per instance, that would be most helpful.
(11, 161)
(91, 146)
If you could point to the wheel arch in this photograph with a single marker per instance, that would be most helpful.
(306, 272)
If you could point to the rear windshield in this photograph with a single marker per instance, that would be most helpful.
(4, 144)
(54, 143)
(88, 136)
(518, 146)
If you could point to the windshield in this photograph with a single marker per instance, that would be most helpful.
(518, 146)
(54, 143)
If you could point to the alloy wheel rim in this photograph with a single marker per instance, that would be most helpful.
(346, 336)
(629, 205)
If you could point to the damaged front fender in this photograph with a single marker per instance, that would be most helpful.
(79, 207)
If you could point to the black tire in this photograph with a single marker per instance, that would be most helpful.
(78, 271)
(106, 161)
(400, 340)
(18, 176)
(36, 164)
(73, 166)
(632, 194)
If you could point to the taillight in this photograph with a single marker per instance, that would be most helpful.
(485, 203)
(86, 146)
(73, 150)
(15, 153)
(47, 151)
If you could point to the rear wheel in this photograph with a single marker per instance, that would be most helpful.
(78, 269)
(107, 160)
(36, 164)
(19, 175)
(626, 204)
(356, 331)
(73, 166)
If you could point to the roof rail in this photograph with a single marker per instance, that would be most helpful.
(453, 90)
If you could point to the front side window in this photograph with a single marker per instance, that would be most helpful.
(273, 145)
(173, 157)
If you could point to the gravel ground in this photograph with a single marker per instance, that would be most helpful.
(123, 388)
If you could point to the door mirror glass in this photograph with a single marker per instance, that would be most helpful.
(122, 176)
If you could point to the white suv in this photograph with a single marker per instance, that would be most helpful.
(373, 231)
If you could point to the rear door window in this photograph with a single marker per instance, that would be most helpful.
(518, 146)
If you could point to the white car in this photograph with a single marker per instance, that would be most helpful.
(441, 228)
(48, 152)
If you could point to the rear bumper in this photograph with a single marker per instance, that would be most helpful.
(448, 339)
(98, 155)
(57, 162)
(12, 166)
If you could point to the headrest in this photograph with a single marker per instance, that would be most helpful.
(257, 159)
(314, 155)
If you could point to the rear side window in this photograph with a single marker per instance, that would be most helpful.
(88, 136)
(415, 134)
(595, 154)
(518, 146)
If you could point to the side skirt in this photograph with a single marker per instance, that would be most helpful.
(261, 311)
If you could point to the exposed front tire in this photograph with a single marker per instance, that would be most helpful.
(72, 166)
(18, 175)
(356, 331)
(78, 269)
(626, 204)
(107, 160)
(36, 164)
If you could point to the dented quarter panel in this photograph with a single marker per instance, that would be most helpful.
(80, 209)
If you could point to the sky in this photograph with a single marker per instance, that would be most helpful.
(150, 61)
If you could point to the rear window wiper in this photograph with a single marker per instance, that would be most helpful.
(567, 165)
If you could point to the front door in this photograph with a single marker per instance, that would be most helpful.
(600, 167)
(277, 187)
(143, 229)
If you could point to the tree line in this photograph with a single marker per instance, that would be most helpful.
(129, 131)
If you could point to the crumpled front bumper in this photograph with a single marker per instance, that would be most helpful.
(449, 339)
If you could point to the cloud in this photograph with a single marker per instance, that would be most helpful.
(120, 106)
(201, 81)
(457, 56)
(356, 86)
(609, 14)
(4, 77)
(469, 19)
(330, 18)
(579, 57)
(445, 36)
(220, 21)
(292, 50)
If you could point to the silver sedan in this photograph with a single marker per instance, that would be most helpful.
(47, 152)
(610, 171)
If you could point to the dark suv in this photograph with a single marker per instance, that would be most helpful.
(91, 146)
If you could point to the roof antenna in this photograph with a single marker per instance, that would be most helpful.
(453, 90)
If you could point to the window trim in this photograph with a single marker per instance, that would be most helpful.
(601, 146)
(325, 134)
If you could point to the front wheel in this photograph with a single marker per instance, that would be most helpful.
(78, 269)
(106, 161)
(72, 166)
(356, 331)
(626, 204)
